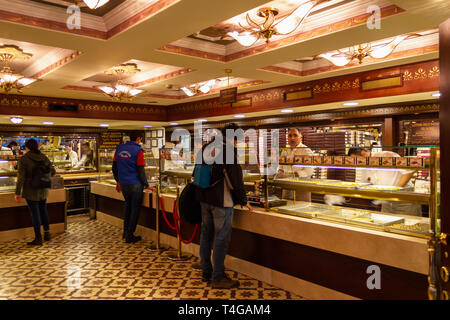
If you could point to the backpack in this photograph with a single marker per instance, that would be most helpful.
(189, 207)
(202, 175)
(40, 176)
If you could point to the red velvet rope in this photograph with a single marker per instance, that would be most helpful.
(176, 220)
(164, 215)
(175, 214)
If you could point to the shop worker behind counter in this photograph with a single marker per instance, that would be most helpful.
(33, 181)
(217, 204)
(129, 173)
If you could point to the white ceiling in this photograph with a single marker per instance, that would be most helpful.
(183, 18)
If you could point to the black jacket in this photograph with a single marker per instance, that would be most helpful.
(215, 195)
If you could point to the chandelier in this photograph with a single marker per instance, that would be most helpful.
(120, 90)
(94, 4)
(378, 50)
(269, 27)
(203, 87)
(8, 79)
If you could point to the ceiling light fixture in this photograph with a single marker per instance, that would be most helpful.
(202, 87)
(104, 125)
(148, 126)
(173, 123)
(47, 122)
(239, 115)
(202, 120)
(16, 120)
(287, 110)
(269, 27)
(8, 79)
(436, 95)
(95, 4)
(120, 90)
(378, 50)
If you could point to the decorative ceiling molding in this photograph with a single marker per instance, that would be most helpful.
(276, 44)
(57, 64)
(93, 26)
(167, 76)
(367, 61)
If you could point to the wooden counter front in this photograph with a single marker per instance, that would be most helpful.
(15, 218)
(318, 259)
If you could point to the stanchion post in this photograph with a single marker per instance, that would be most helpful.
(178, 255)
(157, 246)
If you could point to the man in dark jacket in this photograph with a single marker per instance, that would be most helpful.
(217, 203)
(129, 173)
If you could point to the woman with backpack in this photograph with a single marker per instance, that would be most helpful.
(33, 182)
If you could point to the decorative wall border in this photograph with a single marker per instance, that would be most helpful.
(417, 77)
(38, 106)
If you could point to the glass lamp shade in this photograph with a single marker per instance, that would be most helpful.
(23, 82)
(295, 19)
(384, 51)
(187, 91)
(207, 86)
(94, 4)
(337, 60)
(246, 39)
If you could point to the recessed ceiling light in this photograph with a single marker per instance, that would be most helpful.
(148, 126)
(104, 125)
(16, 120)
(436, 95)
(239, 115)
(173, 123)
(349, 104)
(202, 120)
(287, 110)
(47, 122)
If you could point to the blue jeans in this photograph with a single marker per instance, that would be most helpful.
(216, 226)
(38, 210)
(133, 199)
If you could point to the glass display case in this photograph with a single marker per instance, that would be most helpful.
(8, 171)
(397, 192)
(175, 169)
(69, 153)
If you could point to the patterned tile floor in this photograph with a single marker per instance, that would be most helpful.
(90, 261)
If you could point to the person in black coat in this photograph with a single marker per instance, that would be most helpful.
(217, 203)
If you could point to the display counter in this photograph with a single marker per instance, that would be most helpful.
(317, 259)
(15, 219)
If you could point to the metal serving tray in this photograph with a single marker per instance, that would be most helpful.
(375, 219)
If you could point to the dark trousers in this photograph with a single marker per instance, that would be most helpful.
(216, 228)
(38, 210)
(133, 200)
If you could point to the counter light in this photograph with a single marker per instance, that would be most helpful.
(148, 126)
(16, 120)
(287, 110)
(173, 123)
(436, 95)
(350, 104)
(47, 122)
(239, 115)
(202, 120)
(104, 125)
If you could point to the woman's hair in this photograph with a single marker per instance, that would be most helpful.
(32, 145)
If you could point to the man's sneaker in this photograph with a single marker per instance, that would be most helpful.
(206, 276)
(225, 283)
(133, 239)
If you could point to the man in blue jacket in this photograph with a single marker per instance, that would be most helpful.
(129, 173)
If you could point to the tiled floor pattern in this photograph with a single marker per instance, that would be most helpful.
(90, 261)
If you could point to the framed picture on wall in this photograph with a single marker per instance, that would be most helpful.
(160, 133)
(154, 134)
(154, 142)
